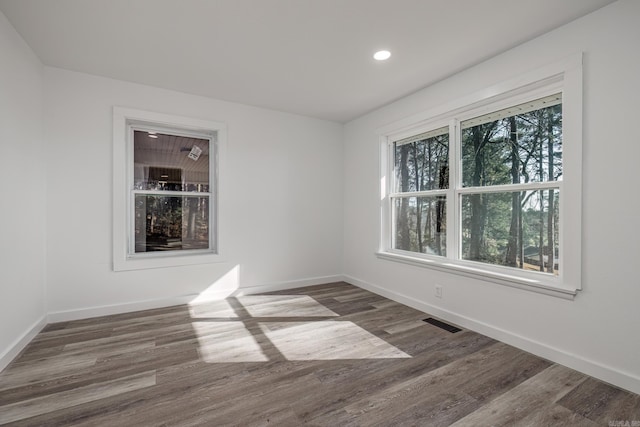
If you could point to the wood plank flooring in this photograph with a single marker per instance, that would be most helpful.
(329, 355)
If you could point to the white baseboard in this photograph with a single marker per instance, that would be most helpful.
(19, 344)
(597, 370)
(106, 310)
(292, 284)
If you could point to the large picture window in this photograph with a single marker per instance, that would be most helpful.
(488, 189)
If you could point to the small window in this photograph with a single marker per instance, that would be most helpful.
(171, 192)
(166, 184)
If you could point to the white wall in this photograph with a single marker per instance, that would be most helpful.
(281, 196)
(288, 183)
(22, 210)
(598, 331)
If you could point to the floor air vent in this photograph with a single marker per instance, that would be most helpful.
(442, 325)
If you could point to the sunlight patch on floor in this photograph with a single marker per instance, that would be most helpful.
(327, 340)
(284, 306)
(212, 309)
(224, 342)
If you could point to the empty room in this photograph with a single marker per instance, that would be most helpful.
(319, 212)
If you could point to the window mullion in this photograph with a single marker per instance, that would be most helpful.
(173, 193)
(420, 193)
(391, 184)
(528, 186)
(453, 206)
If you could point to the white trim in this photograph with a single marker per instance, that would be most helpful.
(595, 369)
(423, 193)
(171, 193)
(21, 342)
(563, 77)
(290, 284)
(453, 230)
(531, 281)
(444, 130)
(386, 212)
(571, 198)
(106, 310)
(503, 188)
(122, 117)
(508, 188)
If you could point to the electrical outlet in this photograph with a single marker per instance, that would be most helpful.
(438, 291)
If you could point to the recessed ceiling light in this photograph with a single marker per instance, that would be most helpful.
(382, 55)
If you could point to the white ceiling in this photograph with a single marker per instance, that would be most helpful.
(310, 57)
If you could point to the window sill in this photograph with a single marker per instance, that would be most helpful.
(164, 261)
(533, 285)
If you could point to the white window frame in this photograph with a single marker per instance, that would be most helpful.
(562, 77)
(125, 121)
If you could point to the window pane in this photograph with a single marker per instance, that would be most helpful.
(170, 162)
(517, 145)
(171, 223)
(422, 163)
(420, 224)
(514, 229)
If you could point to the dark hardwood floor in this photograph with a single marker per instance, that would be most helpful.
(329, 355)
